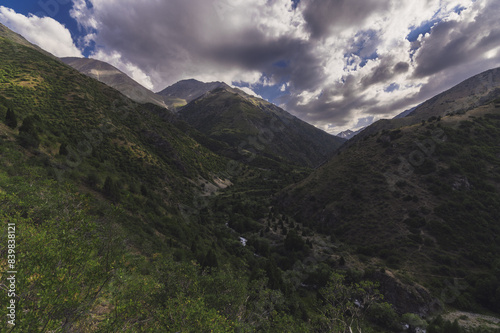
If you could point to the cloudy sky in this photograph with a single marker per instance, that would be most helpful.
(337, 64)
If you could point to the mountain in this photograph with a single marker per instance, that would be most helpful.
(17, 39)
(95, 185)
(115, 78)
(348, 134)
(473, 92)
(258, 128)
(183, 92)
(422, 198)
(405, 113)
(123, 218)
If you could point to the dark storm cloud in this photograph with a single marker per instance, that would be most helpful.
(328, 107)
(381, 73)
(253, 50)
(454, 43)
(328, 80)
(306, 72)
(325, 16)
(164, 39)
(401, 67)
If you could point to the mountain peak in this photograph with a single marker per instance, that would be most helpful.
(113, 77)
(348, 134)
(248, 123)
(185, 91)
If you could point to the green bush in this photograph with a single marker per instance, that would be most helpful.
(383, 314)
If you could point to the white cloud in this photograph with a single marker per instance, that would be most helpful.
(45, 32)
(115, 59)
(342, 60)
(210, 40)
(354, 84)
(249, 91)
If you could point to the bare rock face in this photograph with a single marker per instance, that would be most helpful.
(405, 298)
(461, 183)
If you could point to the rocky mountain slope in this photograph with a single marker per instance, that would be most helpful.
(115, 78)
(348, 134)
(271, 134)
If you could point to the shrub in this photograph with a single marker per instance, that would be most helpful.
(384, 315)
(93, 179)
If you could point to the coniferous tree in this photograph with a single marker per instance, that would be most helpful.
(274, 275)
(210, 259)
(63, 149)
(28, 133)
(93, 179)
(28, 126)
(111, 189)
(10, 119)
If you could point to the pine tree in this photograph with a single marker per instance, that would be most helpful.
(274, 275)
(210, 259)
(10, 119)
(63, 149)
(28, 133)
(28, 126)
(111, 189)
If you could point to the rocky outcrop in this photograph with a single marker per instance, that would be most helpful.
(405, 298)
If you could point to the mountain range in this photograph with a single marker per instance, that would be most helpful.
(202, 208)
(249, 125)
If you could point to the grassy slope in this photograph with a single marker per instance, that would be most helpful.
(85, 236)
(422, 200)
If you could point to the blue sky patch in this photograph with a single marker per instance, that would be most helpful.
(459, 9)
(269, 93)
(390, 88)
(58, 10)
(281, 64)
(421, 30)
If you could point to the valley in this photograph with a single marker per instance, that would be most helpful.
(130, 211)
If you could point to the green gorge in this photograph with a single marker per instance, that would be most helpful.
(231, 215)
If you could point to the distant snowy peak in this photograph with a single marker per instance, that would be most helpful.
(348, 134)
